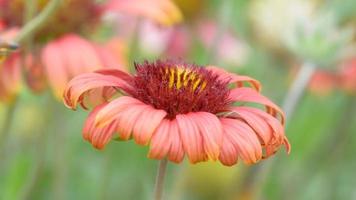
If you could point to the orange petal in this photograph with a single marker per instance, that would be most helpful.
(79, 54)
(233, 78)
(160, 143)
(250, 95)
(146, 124)
(228, 155)
(244, 139)
(128, 118)
(54, 63)
(114, 108)
(211, 131)
(191, 137)
(99, 137)
(83, 83)
(176, 152)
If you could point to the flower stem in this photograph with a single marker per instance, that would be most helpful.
(296, 91)
(161, 173)
(36, 23)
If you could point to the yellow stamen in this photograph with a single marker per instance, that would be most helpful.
(171, 78)
(181, 77)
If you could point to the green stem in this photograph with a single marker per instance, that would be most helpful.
(296, 91)
(36, 23)
(161, 173)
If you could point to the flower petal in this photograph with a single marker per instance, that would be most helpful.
(160, 143)
(244, 139)
(128, 118)
(191, 137)
(229, 154)
(114, 108)
(250, 95)
(54, 62)
(99, 137)
(80, 55)
(233, 78)
(277, 136)
(211, 131)
(256, 122)
(176, 151)
(146, 124)
(82, 84)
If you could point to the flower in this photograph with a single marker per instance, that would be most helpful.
(179, 108)
(324, 82)
(60, 52)
(71, 55)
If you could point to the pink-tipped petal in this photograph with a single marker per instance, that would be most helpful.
(160, 143)
(102, 136)
(266, 126)
(233, 78)
(146, 124)
(244, 139)
(191, 137)
(256, 122)
(211, 131)
(250, 95)
(229, 154)
(80, 55)
(54, 62)
(287, 145)
(114, 108)
(89, 122)
(176, 151)
(82, 84)
(128, 118)
(98, 137)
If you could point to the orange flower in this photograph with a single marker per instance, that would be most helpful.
(59, 53)
(179, 108)
(71, 55)
(323, 82)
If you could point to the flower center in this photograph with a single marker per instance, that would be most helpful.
(179, 88)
